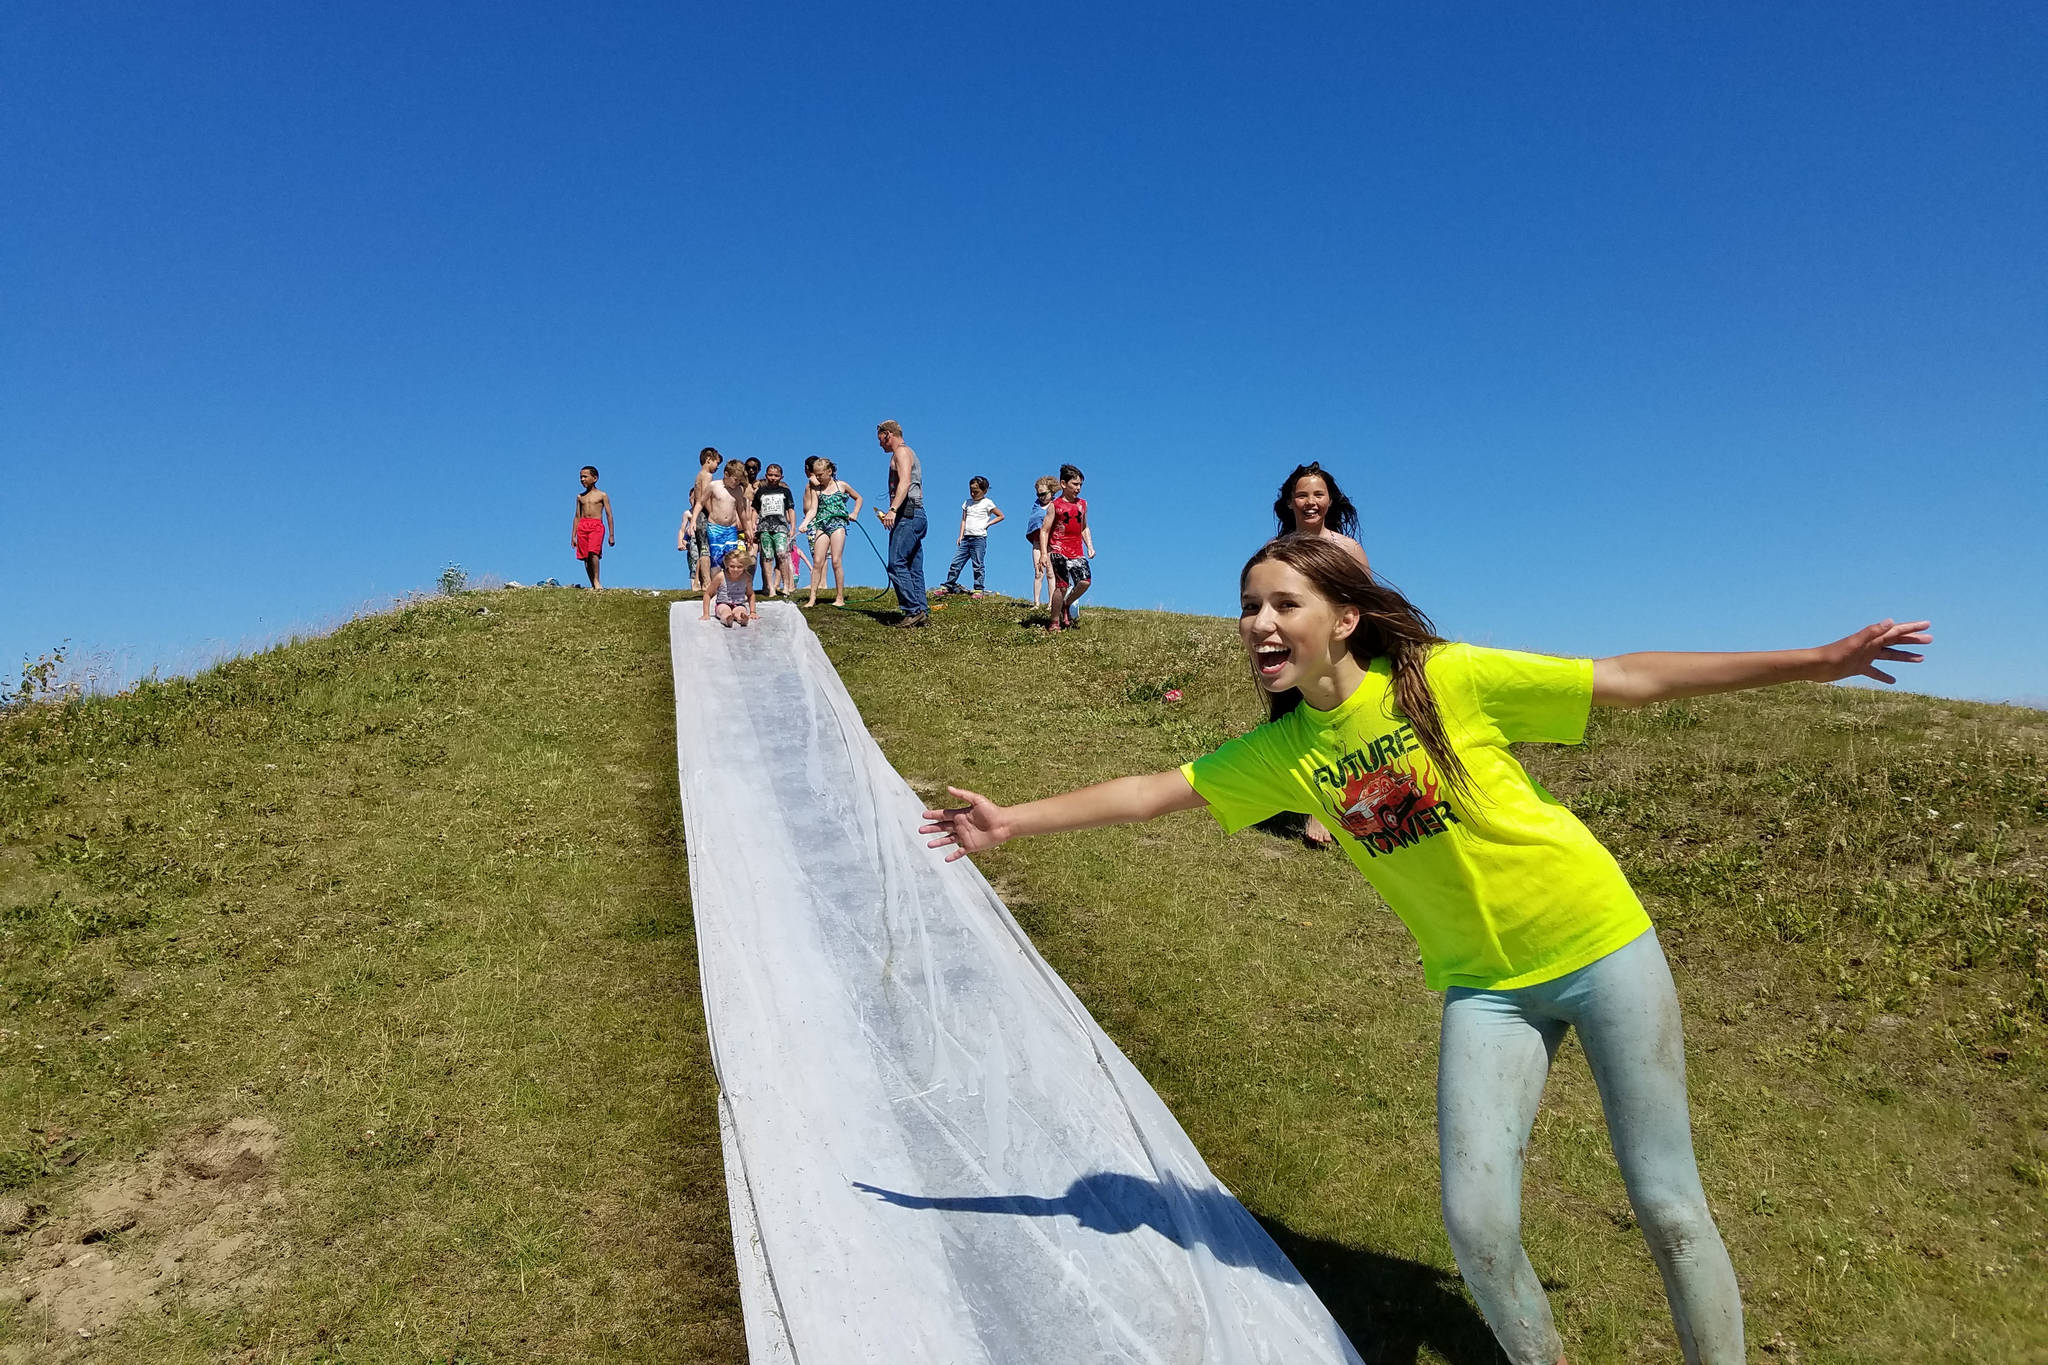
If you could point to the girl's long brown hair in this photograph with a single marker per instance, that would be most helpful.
(1389, 627)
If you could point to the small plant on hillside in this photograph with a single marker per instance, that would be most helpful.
(454, 579)
(39, 679)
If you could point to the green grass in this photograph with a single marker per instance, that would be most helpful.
(416, 893)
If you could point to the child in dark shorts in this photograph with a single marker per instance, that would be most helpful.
(1069, 544)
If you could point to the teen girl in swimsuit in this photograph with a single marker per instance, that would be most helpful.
(834, 506)
(1400, 739)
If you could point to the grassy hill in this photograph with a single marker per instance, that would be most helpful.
(368, 960)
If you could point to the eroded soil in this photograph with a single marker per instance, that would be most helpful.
(189, 1221)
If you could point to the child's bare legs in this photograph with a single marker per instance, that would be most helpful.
(1059, 601)
(785, 564)
(1040, 571)
(817, 567)
(725, 615)
(590, 565)
(705, 585)
(839, 567)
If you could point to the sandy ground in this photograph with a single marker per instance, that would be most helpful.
(187, 1221)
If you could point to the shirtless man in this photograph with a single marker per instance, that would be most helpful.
(712, 525)
(591, 524)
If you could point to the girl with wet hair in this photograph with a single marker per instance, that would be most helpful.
(1310, 503)
(1400, 740)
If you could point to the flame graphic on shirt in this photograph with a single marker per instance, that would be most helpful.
(1384, 800)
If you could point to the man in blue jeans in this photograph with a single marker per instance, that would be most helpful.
(905, 520)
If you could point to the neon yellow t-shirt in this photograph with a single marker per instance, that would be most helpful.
(1501, 889)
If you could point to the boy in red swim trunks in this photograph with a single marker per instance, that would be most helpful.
(587, 533)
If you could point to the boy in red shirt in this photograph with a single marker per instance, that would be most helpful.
(1069, 544)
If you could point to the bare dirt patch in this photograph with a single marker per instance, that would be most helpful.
(191, 1221)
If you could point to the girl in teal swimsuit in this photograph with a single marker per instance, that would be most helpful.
(834, 506)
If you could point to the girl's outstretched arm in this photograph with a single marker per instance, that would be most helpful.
(1638, 679)
(982, 824)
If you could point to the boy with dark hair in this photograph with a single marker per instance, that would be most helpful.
(1069, 543)
(589, 527)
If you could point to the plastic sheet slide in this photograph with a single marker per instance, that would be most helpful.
(932, 1151)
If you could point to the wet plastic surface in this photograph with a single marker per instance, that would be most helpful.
(932, 1151)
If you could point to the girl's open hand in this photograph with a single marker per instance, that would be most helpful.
(978, 825)
(1857, 656)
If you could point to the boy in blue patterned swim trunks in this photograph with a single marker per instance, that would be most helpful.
(712, 526)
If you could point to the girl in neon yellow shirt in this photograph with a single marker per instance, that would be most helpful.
(1399, 740)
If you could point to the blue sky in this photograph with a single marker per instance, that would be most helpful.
(1626, 326)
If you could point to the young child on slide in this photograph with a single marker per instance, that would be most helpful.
(1400, 740)
(733, 601)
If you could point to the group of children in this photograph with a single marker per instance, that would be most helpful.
(750, 515)
(747, 515)
(1062, 543)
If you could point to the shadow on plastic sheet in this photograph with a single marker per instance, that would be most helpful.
(1392, 1308)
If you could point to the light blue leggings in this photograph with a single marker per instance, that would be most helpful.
(1497, 1049)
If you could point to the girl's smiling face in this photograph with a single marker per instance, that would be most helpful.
(1311, 502)
(1290, 630)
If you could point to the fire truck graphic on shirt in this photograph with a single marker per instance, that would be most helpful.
(1385, 796)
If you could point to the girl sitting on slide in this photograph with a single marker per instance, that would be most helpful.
(734, 598)
(1400, 739)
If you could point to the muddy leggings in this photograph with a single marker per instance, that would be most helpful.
(1497, 1049)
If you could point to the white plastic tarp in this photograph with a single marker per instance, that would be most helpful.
(932, 1151)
